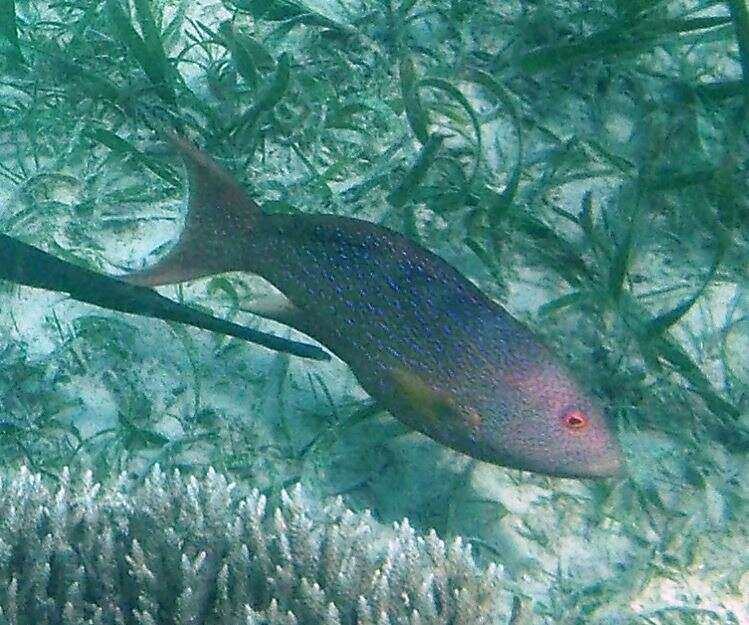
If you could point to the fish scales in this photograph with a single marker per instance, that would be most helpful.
(422, 339)
(366, 291)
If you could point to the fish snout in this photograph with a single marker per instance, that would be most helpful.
(609, 464)
(609, 469)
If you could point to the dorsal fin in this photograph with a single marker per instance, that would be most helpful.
(219, 224)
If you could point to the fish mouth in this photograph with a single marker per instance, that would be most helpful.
(607, 465)
(608, 468)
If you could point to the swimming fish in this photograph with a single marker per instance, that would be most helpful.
(421, 339)
(25, 264)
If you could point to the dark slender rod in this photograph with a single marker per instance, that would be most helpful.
(24, 264)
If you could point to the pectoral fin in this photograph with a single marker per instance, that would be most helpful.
(428, 403)
(431, 410)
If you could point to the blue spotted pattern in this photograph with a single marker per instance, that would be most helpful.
(382, 303)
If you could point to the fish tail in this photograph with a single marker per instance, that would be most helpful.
(220, 221)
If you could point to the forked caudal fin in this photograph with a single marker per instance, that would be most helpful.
(220, 219)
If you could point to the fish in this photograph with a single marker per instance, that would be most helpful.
(422, 340)
(25, 264)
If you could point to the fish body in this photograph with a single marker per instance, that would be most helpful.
(415, 331)
(422, 340)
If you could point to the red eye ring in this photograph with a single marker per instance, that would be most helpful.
(575, 419)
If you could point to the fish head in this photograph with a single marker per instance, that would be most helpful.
(541, 419)
(537, 418)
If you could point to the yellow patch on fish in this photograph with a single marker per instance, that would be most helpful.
(425, 401)
(474, 421)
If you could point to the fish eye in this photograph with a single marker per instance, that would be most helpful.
(575, 419)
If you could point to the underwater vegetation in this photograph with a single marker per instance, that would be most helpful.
(187, 550)
(584, 163)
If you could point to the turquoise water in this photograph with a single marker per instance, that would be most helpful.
(583, 164)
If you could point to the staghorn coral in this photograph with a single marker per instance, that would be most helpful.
(185, 550)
